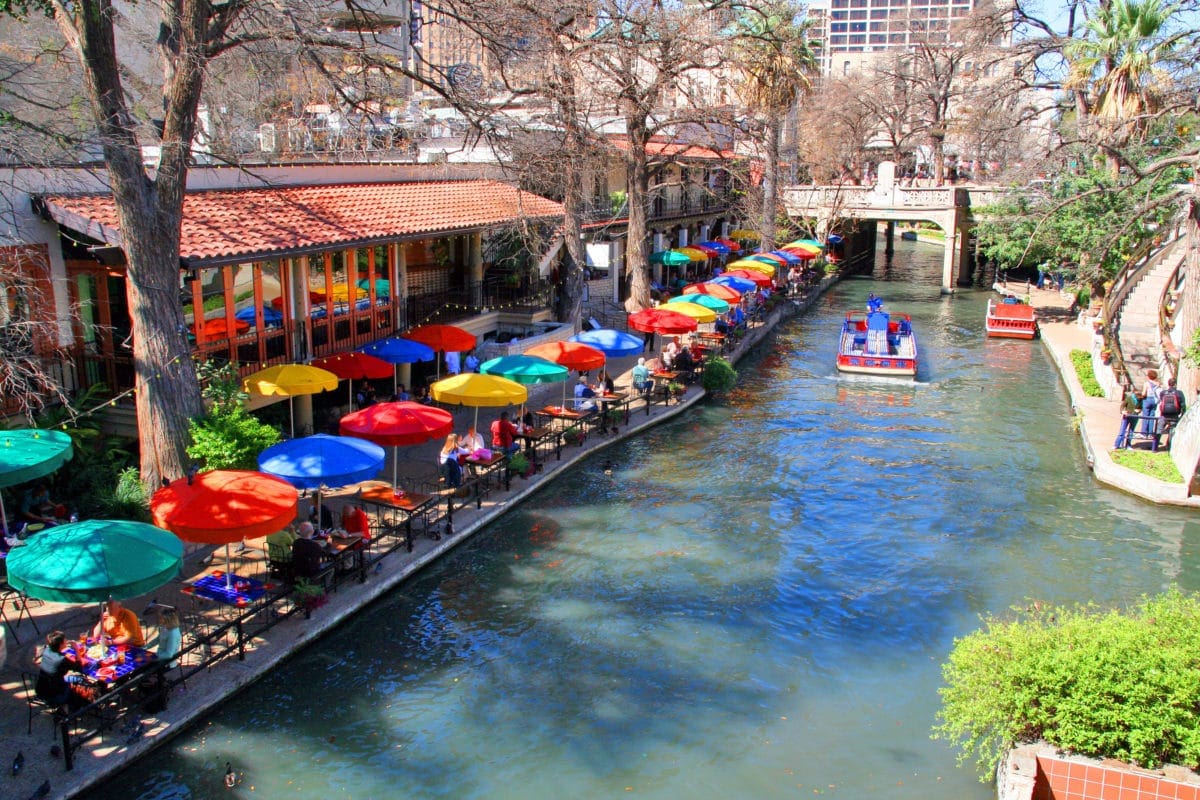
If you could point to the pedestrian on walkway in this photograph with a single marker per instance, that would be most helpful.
(1150, 392)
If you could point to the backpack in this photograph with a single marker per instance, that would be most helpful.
(1168, 403)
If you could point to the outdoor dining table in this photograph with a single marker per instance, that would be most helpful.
(662, 381)
(486, 468)
(348, 552)
(610, 400)
(397, 502)
(237, 591)
(535, 438)
(561, 417)
(711, 339)
(112, 664)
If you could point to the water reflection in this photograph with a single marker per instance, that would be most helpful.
(750, 602)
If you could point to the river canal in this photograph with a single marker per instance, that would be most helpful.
(751, 602)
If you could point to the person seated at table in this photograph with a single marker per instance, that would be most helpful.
(584, 395)
(671, 352)
(471, 441)
(641, 376)
(315, 508)
(38, 508)
(170, 634)
(471, 362)
(423, 397)
(604, 383)
(504, 435)
(119, 624)
(308, 556)
(448, 466)
(527, 421)
(401, 394)
(684, 361)
(55, 685)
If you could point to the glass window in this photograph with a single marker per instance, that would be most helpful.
(878, 38)
(879, 13)
(837, 27)
(858, 14)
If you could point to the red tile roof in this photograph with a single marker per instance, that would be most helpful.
(235, 225)
(668, 149)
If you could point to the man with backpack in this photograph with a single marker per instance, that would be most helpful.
(1171, 406)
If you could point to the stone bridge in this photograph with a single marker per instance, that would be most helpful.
(948, 207)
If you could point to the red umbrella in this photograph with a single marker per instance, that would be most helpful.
(759, 278)
(447, 338)
(730, 243)
(725, 293)
(395, 424)
(218, 327)
(773, 257)
(807, 255)
(572, 355)
(661, 320)
(354, 366)
(708, 251)
(443, 338)
(224, 506)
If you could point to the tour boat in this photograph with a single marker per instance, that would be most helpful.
(1009, 318)
(877, 343)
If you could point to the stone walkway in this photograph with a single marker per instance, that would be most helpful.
(205, 690)
(1099, 418)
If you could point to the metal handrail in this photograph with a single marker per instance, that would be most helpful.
(1166, 316)
(1141, 262)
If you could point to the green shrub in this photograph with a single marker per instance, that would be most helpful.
(518, 462)
(129, 500)
(719, 375)
(1082, 360)
(1098, 683)
(228, 436)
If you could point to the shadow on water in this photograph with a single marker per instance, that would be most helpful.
(748, 602)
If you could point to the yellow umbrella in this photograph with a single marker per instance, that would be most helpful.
(289, 380)
(808, 247)
(695, 311)
(692, 253)
(343, 293)
(757, 266)
(742, 233)
(478, 390)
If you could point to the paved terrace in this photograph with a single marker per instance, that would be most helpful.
(271, 633)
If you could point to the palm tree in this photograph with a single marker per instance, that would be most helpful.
(776, 59)
(1125, 44)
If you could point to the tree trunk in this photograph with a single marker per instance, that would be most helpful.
(637, 262)
(149, 214)
(771, 184)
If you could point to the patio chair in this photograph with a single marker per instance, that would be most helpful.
(39, 706)
(279, 561)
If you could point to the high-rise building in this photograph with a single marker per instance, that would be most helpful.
(854, 33)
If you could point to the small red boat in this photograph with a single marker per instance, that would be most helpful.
(1009, 318)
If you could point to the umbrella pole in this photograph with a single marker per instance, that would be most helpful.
(3, 515)
(395, 380)
(395, 460)
(349, 395)
(292, 417)
(228, 577)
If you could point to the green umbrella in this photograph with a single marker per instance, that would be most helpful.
(93, 560)
(525, 369)
(29, 453)
(669, 258)
(707, 300)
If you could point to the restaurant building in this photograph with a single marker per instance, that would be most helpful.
(286, 265)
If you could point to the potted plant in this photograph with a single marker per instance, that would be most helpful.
(1106, 356)
(613, 417)
(676, 389)
(309, 596)
(573, 435)
(518, 463)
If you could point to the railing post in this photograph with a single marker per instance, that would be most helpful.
(68, 751)
(241, 640)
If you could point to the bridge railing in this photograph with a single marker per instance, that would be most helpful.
(858, 197)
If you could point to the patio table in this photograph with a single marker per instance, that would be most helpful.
(396, 503)
(115, 663)
(237, 591)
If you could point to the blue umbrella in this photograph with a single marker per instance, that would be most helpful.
(271, 316)
(790, 258)
(734, 282)
(395, 350)
(613, 344)
(322, 460)
(723, 249)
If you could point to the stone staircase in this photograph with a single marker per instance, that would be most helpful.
(1138, 331)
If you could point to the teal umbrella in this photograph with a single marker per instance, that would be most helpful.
(669, 258)
(707, 300)
(90, 561)
(29, 453)
(525, 369)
